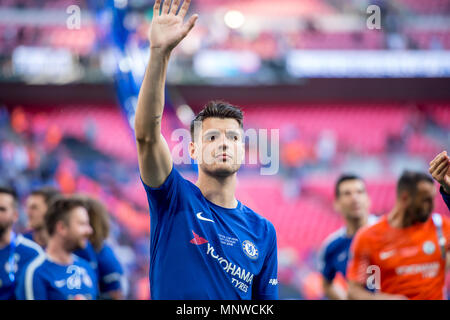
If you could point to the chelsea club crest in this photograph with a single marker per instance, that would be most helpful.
(250, 249)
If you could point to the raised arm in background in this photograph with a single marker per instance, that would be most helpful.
(166, 31)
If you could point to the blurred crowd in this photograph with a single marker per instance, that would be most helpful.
(90, 52)
(31, 159)
(37, 148)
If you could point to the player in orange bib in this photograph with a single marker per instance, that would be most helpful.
(403, 255)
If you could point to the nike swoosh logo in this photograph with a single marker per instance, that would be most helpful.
(60, 283)
(386, 254)
(199, 215)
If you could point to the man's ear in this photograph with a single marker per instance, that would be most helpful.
(61, 227)
(405, 198)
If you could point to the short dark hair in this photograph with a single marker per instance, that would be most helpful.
(218, 109)
(11, 192)
(59, 211)
(48, 193)
(409, 180)
(342, 178)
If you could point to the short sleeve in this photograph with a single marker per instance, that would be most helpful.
(359, 259)
(88, 253)
(110, 270)
(265, 286)
(324, 264)
(164, 199)
(30, 283)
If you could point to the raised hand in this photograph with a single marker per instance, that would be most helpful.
(167, 28)
(440, 170)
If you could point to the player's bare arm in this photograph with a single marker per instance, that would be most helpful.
(166, 32)
(440, 170)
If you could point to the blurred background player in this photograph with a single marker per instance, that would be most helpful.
(440, 170)
(36, 205)
(68, 101)
(59, 274)
(15, 250)
(404, 254)
(195, 228)
(109, 270)
(353, 202)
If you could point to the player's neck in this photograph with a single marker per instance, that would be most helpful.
(218, 190)
(40, 236)
(5, 238)
(398, 218)
(353, 225)
(57, 253)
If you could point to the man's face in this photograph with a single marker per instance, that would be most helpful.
(8, 212)
(422, 204)
(219, 147)
(353, 201)
(78, 229)
(35, 208)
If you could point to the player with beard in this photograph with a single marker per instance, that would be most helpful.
(404, 255)
(205, 244)
(15, 250)
(59, 274)
(36, 206)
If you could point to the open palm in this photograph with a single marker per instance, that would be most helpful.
(167, 28)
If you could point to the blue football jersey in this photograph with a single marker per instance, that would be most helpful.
(13, 258)
(334, 253)
(43, 279)
(88, 253)
(333, 256)
(28, 235)
(446, 197)
(199, 250)
(110, 271)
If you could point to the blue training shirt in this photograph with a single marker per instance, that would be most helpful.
(333, 256)
(110, 271)
(28, 235)
(13, 258)
(107, 267)
(88, 253)
(201, 251)
(43, 279)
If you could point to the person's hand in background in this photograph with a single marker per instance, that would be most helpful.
(440, 170)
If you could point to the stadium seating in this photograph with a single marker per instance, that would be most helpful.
(91, 148)
(302, 222)
(363, 129)
(426, 7)
(365, 40)
(52, 4)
